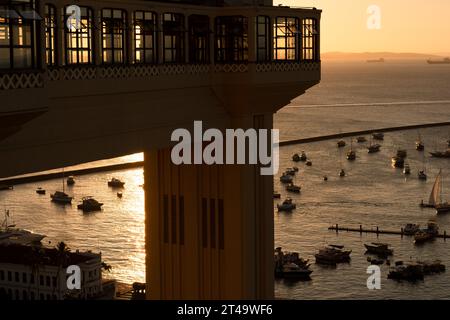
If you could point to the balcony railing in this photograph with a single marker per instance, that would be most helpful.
(27, 80)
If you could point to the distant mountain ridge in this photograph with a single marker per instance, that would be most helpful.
(378, 55)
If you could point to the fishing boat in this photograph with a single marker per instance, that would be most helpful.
(419, 144)
(291, 171)
(116, 183)
(89, 204)
(332, 254)
(287, 205)
(381, 249)
(372, 148)
(378, 135)
(286, 178)
(427, 234)
(440, 154)
(293, 188)
(410, 272)
(70, 181)
(361, 139)
(351, 154)
(40, 191)
(398, 162)
(303, 156)
(407, 169)
(61, 197)
(411, 229)
(422, 175)
(289, 265)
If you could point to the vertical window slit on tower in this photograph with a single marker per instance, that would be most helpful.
(212, 221)
(174, 219)
(204, 223)
(221, 225)
(181, 217)
(166, 218)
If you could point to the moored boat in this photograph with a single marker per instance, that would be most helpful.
(378, 136)
(398, 162)
(309, 163)
(439, 154)
(70, 181)
(287, 206)
(411, 229)
(116, 183)
(89, 204)
(40, 191)
(332, 254)
(61, 197)
(296, 157)
(341, 144)
(361, 139)
(293, 188)
(286, 178)
(381, 249)
(407, 169)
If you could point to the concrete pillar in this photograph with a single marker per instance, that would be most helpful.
(209, 229)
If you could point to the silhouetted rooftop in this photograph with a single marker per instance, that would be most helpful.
(28, 255)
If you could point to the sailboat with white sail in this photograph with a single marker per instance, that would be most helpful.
(435, 200)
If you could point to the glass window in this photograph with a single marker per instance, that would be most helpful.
(198, 39)
(310, 39)
(50, 35)
(17, 35)
(286, 35)
(79, 38)
(145, 37)
(262, 38)
(173, 38)
(113, 35)
(232, 39)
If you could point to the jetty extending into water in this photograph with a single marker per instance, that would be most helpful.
(376, 230)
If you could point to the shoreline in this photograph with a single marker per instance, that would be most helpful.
(132, 165)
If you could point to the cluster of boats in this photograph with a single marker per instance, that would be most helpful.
(415, 270)
(88, 204)
(289, 265)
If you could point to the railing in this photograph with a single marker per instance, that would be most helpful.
(18, 80)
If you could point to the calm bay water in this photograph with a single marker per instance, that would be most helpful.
(351, 97)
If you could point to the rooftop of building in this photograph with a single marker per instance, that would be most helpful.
(29, 255)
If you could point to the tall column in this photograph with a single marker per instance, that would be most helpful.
(209, 229)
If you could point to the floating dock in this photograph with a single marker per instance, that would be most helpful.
(378, 231)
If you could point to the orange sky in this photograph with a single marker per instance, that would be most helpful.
(421, 26)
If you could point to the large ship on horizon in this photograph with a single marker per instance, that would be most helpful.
(443, 61)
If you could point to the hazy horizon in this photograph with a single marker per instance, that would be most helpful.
(406, 26)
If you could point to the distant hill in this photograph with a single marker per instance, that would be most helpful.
(377, 55)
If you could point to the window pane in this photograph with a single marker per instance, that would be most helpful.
(4, 58)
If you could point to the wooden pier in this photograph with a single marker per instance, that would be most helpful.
(379, 231)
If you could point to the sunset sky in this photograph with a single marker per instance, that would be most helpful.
(420, 26)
